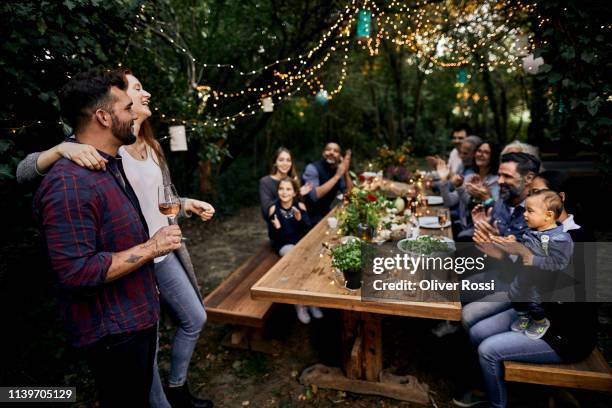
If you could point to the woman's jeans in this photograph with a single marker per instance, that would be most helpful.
(178, 293)
(490, 305)
(496, 343)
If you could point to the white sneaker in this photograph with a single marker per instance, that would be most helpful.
(302, 314)
(444, 328)
(315, 312)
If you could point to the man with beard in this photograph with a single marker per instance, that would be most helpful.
(329, 177)
(516, 173)
(99, 247)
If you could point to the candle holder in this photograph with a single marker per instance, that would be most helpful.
(365, 232)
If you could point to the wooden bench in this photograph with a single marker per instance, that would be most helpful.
(231, 301)
(593, 373)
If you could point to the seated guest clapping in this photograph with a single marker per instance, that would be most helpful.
(455, 164)
(282, 166)
(287, 224)
(479, 188)
(329, 177)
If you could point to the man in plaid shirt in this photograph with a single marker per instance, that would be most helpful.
(99, 246)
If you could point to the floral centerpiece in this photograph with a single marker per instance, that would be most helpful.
(396, 164)
(364, 207)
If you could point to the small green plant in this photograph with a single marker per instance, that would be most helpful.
(424, 245)
(347, 257)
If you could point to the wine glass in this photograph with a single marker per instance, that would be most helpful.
(442, 218)
(169, 203)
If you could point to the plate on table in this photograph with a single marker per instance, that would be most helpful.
(348, 238)
(432, 222)
(434, 200)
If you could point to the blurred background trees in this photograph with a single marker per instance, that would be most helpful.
(392, 92)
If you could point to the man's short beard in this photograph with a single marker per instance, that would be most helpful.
(509, 193)
(122, 131)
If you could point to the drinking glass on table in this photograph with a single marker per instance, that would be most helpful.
(442, 218)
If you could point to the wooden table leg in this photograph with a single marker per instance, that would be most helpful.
(372, 346)
(362, 364)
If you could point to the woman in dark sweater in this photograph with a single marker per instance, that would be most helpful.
(282, 166)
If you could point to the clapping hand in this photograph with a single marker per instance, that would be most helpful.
(477, 190)
(433, 161)
(305, 189)
(275, 222)
(296, 213)
(456, 180)
(510, 246)
(442, 169)
(480, 213)
(345, 163)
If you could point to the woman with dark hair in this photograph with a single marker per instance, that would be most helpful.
(282, 166)
(146, 169)
(480, 187)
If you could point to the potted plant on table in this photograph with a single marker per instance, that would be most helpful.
(347, 259)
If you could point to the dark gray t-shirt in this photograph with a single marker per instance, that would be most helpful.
(268, 193)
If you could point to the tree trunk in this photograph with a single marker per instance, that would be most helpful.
(417, 100)
(486, 76)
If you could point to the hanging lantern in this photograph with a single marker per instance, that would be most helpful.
(322, 97)
(531, 65)
(178, 138)
(462, 76)
(364, 24)
(267, 104)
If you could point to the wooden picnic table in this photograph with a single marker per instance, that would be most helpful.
(305, 276)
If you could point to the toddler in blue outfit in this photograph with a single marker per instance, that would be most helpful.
(545, 250)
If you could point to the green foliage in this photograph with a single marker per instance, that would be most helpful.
(575, 44)
(43, 43)
(425, 245)
(347, 257)
(364, 207)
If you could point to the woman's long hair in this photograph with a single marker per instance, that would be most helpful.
(146, 133)
(291, 173)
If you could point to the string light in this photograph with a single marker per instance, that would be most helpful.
(437, 33)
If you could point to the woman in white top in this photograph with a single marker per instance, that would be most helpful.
(146, 169)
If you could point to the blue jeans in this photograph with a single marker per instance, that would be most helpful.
(178, 293)
(496, 344)
(490, 305)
